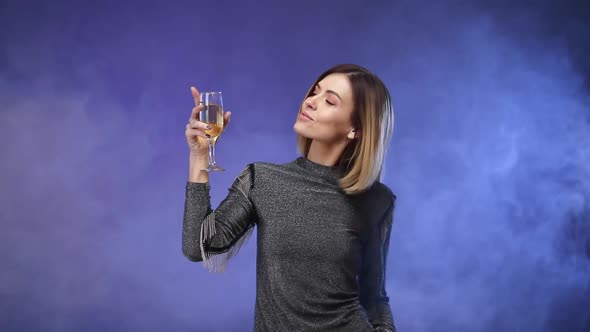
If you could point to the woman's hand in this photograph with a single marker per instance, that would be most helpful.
(195, 129)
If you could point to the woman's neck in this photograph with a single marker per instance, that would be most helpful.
(325, 154)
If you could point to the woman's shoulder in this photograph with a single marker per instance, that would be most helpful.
(384, 192)
(264, 168)
(378, 198)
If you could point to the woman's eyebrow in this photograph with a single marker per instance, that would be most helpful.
(330, 91)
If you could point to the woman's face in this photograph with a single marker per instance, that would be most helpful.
(326, 114)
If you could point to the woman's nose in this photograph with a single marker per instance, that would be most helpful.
(310, 104)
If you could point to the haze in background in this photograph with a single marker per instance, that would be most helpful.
(490, 158)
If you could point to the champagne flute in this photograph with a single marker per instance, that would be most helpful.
(212, 114)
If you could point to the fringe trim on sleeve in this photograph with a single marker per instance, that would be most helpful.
(217, 262)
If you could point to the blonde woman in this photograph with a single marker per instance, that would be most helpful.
(323, 220)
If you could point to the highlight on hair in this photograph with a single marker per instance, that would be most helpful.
(372, 116)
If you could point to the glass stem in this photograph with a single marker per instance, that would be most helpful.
(211, 151)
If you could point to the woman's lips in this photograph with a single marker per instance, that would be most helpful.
(305, 116)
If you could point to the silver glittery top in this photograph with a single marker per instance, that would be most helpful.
(320, 253)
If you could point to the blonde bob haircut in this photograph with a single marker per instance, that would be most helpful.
(372, 117)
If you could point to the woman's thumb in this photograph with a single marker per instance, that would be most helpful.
(226, 118)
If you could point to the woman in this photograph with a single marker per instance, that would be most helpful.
(323, 220)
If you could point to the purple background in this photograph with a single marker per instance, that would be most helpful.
(490, 158)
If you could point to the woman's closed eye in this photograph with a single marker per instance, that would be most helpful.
(314, 93)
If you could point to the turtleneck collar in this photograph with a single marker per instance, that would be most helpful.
(330, 173)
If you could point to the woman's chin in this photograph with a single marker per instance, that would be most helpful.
(301, 128)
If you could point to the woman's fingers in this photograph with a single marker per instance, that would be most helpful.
(226, 118)
(196, 96)
(195, 124)
(195, 112)
(195, 132)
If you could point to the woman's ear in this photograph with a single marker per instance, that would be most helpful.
(353, 134)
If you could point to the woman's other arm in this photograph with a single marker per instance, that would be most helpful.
(372, 279)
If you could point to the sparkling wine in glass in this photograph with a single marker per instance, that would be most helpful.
(212, 114)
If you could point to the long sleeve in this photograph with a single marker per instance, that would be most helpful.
(214, 236)
(372, 279)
